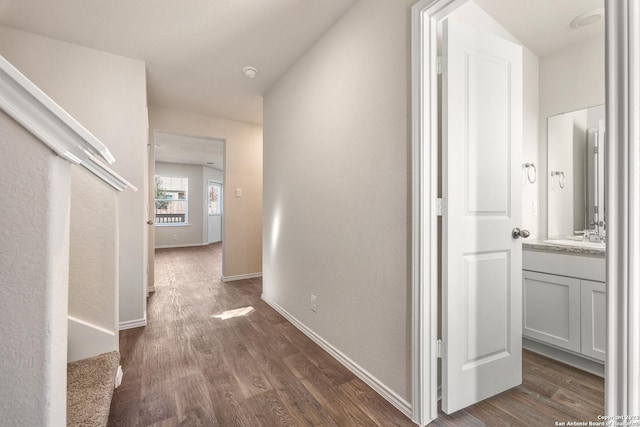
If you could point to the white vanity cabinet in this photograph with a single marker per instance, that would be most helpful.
(552, 309)
(565, 306)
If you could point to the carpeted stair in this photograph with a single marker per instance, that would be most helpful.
(90, 384)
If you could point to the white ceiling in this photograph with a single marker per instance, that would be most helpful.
(190, 150)
(195, 49)
(543, 25)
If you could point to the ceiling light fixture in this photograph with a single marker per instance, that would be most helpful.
(250, 72)
(587, 18)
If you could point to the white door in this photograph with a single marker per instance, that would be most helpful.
(482, 261)
(214, 212)
(151, 218)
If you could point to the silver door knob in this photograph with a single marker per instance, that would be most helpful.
(517, 233)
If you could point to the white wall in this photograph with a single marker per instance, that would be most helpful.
(34, 261)
(213, 174)
(190, 234)
(242, 169)
(336, 185)
(107, 94)
(570, 80)
(93, 263)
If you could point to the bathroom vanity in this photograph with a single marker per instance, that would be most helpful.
(564, 297)
(564, 292)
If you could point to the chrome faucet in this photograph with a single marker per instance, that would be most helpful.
(591, 235)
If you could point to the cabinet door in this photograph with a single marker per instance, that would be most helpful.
(594, 319)
(552, 309)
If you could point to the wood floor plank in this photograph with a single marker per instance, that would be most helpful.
(304, 408)
(513, 407)
(126, 405)
(330, 367)
(194, 407)
(188, 368)
(267, 409)
(373, 404)
(158, 404)
(492, 416)
(540, 405)
(458, 419)
(338, 406)
(225, 395)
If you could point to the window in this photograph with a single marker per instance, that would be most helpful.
(215, 195)
(171, 200)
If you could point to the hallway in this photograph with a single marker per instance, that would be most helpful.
(187, 368)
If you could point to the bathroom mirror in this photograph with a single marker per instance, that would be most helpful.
(575, 173)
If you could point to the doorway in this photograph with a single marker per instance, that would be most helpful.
(186, 173)
(429, 206)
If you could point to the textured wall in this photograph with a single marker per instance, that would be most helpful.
(34, 231)
(336, 184)
(107, 94)
(93, 253)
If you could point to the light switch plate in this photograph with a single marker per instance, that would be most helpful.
(238, 192)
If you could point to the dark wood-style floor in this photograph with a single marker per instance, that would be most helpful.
(188, 368)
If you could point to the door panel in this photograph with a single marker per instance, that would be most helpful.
(486, 295)
(482, 262)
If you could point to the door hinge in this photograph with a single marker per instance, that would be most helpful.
(440, 349)
(595, 150)
(440, 206)
(440, 64)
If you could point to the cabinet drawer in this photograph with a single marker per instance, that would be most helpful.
(552, 309)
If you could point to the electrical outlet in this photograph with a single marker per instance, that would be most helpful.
(314, 303)
(174, 237)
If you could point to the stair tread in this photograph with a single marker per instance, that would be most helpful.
(90, 384)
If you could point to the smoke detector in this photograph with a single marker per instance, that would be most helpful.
(250, 72)
(587, 18)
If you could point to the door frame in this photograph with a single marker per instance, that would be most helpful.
(622, 63)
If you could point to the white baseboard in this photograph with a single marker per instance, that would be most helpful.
(130, 324)
(240, 277)
(88, 340)
(588, 365)
(380, 388)
(188, 245)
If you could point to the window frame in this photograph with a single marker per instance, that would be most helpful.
(185, 201)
